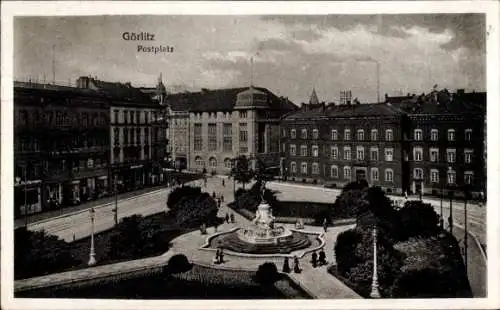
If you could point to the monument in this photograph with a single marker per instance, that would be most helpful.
(265, 232)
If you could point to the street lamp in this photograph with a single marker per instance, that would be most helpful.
(115, 209)
(450, 218)
(92, 260)
(375, 292)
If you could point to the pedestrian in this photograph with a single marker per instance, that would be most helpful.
(222, 198)
(286, 266)
(296, 267)
(227, 218)
(322, 257)
(221, 256)
(215, 226)
(325, 224)
(406, 195)
(232, 218)
(441, 223)
(218, 203)
(213, 195)
(314, 259)
(450, 222)
(223, 183)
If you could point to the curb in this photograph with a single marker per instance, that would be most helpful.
(476, 240)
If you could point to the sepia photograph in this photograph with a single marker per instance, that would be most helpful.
(215, 156)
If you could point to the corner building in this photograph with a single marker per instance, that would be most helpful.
(226, 123)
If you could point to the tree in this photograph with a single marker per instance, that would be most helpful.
(345, 247)
(178, 264)
(351, 202)
(36, 253)
(267, 274)
(194, 212)
(180, 192)
(263, 173)
(418, 219)
(242, 172)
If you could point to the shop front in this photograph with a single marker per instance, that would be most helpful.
(27, 197)
(53, 195)
(101, 186)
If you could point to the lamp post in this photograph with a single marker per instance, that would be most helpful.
(466, 194)
(115, 209)
(450, 219)
(441, 205)
(92, 260)
(375, 292)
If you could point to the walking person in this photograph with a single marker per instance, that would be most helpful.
(286, 266)
(221, 256)
(450, 223)
(227, 218)
(325, 224)
(218, 203)
(222, 198)
(214, 195)
(223, 183)
(322, 257)
(232, 218)
(216, 259)
(296, 267)
(314, 259)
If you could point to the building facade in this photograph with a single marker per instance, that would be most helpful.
(446, 142)
(137, 135)
(337, 144)
(226, 123)
(61, 146)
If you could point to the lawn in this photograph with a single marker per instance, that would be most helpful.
(198, 283)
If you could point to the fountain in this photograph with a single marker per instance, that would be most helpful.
(264, 238)
(265, 231)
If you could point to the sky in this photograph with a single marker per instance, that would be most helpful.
(291, 54)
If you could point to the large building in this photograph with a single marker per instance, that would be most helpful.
(224, 124)
(337, 144)
(137, 133)
(71, 142)
(61, 146)
(429, 144)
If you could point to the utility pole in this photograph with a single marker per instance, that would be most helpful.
(465, 225)
(450, 219)
(375, 290)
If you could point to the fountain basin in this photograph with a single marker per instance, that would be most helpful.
(275, 235)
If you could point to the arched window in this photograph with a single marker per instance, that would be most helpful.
(213, 162)
(347, 173)
(334, 171)
(389, 175)
(293, 167)
(198, 161)
(228, 163)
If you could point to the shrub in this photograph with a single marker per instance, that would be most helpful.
(320, 217)
(345, 247)
(178, 264)
(418, 219)
(267, 274)
(181, 192)
(37, 253)
(193, 212)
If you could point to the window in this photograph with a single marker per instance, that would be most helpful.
(434, 176)
(303, 150)
(116, 135)
(303, 134)
(417, 154)
(389, 154)
(434, 134)
(125, 136)
(468, 134)
(347, 153)
(334, 152)
(468, 177)
(335, 135)
(315, 168)
(138, 136)
(389, 175)
(198, 139)
(303, 168)
(138, 117)
(213, 162)
(315, 134)
(451, 155)
(374, 134)
(468, 156)
(227, 136)
(293, 150)
(198, 162)
(374, 174)
(360, 151)
(347, 173)
(146, 117)
(283, 132)
(361, 135)
(293, 167)
(452, 176)
(374, 153)
(434, 154)
(334, 171)
(418, 173)
(243, 114)
(293, 133)
(451, 134)
(283, 147)
(315, 151)
(243, 138)
(347, 134)
(132, 117)
(125, 117)
(228, 163)
(212, 137)
(417, 134)
(389, 135)
(115, 112)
